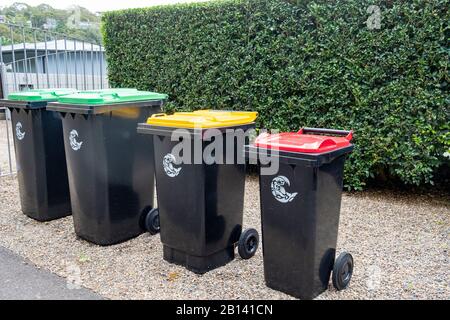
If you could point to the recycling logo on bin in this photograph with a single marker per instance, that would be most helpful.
(278, 187)
(168, 164)
(20, 135)
(74, 144)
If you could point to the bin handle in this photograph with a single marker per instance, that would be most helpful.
(210, 118)
(157, 115)
(113, 95)
(343, 133)
(107, 94)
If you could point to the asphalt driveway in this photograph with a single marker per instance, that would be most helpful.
(21, 280)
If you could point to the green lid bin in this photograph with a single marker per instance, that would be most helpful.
(40, 155)
(111, 170)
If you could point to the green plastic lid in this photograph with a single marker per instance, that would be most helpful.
(110, 96)
(37, 95)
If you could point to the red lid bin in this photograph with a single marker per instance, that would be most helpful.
(300, 207)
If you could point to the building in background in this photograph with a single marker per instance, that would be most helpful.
(53, 63)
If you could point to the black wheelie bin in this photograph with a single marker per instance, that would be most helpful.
(111, 171)
(300, 208)
(200, 197)
(39, 148)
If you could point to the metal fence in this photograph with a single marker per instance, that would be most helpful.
(32, 58)
(7, 156)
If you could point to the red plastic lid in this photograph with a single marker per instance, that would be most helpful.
(302, 142)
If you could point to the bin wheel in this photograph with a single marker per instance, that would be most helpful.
(342, 271)
(152, 221)
(248, 243)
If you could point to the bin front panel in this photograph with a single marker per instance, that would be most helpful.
(300, 209)
(328, 207)
(225, 188)
(181, 199)
(288, 225)
(28, 137)
(58, 192)
(41, 163)
(111, 173)
(201, 205)
(87, 167)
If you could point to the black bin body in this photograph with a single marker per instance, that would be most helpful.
(111, 170)
(41, 161)
(300, 233)
(201, 209)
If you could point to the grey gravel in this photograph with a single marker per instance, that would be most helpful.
(399, 243)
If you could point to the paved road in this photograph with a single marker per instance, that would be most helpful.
(20, 280)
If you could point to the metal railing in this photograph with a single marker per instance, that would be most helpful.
(44, 59)
(32, 58)
(7, 156)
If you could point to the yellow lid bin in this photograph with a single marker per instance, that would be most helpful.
(200, 181)
(203, 119)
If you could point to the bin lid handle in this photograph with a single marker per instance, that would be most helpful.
(347, 134)
(208, 117)
(157, 115)
(109, 94)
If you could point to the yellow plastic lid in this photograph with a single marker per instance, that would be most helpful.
(203, 119)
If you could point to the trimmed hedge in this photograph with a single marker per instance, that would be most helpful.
(313, 63)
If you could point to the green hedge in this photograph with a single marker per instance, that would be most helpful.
(311, 63)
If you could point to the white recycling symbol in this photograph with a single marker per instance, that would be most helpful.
(20, 135)
(74, 144)
(168, 164)
(278, 187)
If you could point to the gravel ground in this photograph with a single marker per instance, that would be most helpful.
(4, 158)
(399, 243)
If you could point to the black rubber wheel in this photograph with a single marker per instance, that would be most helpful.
(342, 271)
(152, 222)
(248, 243)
